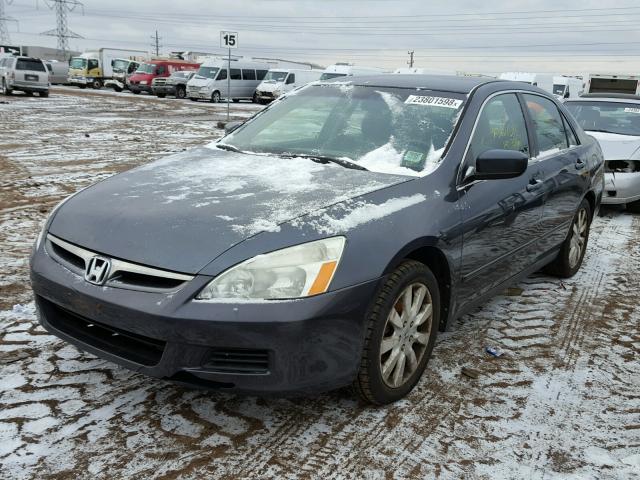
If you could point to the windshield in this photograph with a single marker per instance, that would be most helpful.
(146, 68)
(558, 89)
(328, 76)
(78, 62)
(120, 64)
(388, 130)
(612, 117)
(208, 72)
(277, 76)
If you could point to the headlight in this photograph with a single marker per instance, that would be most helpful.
(294, 272)
(43, 230)
(143, 82)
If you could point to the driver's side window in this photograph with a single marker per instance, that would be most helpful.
(501, 126)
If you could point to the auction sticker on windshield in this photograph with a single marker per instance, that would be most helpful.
(632, 110)
(433, 101)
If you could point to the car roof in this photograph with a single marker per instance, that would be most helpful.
(447, 83)
(607, 97)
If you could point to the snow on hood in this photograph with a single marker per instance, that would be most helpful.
(181, 212)
(617, 147)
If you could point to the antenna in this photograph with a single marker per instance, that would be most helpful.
(4, 31)
(62, 30)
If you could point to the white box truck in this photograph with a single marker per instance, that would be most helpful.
(567, 87)
(93, 68)
(349, 70)
(540, 80)
(610, 83)
(279, 81)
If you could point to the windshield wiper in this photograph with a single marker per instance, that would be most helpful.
(324, 159)
(230, 148)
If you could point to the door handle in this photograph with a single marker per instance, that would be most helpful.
(534, 184)
(580, 164)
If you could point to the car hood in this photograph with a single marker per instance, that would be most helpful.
(181, 212)
(198, 82)
(617, 147)
(270, 86)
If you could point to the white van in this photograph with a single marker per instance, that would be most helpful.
(279, 81)
(541, 80)
(567, 87)
(348, 70)
(210, 82)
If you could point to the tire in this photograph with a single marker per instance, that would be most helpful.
(44, 94)
(117, 89)
(181, 92)
(161, 95)
(29, 94)
(135, 92)
(255, 98)
(386, 321)
(633, 207)
(215, 97)
(568, 262)
(6, 90)
(96, 84)
(82, 86)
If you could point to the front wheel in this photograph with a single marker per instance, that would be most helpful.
(633, 207)
(401, 329)
(96, 84)
(6, 90)
(44, 94)
(161, 95)
(215, 97)
(117, 89)
(569, 259)
(181, 92)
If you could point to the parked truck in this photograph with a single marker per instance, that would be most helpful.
(567, 87)
(610, 83)
(93, 68)
(122, 69)
(541, 80)
(279, 81)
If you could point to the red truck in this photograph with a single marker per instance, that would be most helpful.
(141, 80)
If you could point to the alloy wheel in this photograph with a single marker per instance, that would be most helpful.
(406, 335)
(578, 237)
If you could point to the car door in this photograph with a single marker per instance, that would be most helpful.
(563, 163)
(501, 218)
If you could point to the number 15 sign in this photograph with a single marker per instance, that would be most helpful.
(229, 39)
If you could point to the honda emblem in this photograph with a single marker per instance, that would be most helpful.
(97, 270)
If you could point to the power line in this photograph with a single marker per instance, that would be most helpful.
(62, 31)
(4, 31)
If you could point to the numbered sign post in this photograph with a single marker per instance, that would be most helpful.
(228, 40)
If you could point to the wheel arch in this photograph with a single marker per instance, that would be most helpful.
(590, 197)
(425, 251)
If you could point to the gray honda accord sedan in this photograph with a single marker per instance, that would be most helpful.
(325, 241)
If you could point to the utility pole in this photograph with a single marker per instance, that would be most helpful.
(156, 43)
(4, 31)
(410, 62)
(62, 7)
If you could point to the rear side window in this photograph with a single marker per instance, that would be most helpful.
(235, 74)
(547, 124)
(501, 126)
(30, 64)
(260, 74)
(248, 74)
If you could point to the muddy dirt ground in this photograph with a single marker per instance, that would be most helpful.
(563, 402)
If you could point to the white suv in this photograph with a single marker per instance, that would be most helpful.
(25, 74)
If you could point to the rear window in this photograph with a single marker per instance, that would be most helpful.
(30, 64)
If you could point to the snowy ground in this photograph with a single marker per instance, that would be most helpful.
(563, 403)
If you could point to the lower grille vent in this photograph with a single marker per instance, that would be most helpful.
(232, 360)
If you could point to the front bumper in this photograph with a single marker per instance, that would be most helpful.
(139, 87)
(164, 89)
(302, 346)
(621, 188)
(201, 94)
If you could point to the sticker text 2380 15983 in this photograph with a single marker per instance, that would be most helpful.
(433, 101)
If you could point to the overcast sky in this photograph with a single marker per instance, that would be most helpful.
(559, 36)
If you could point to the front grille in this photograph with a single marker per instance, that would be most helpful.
(130, 346)
(122, 274)
(235, 360)
(158, 82)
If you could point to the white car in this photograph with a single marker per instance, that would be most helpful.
(25, 74)
(614, 120)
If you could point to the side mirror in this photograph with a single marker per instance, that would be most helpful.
(500, 164)
(231, 126)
